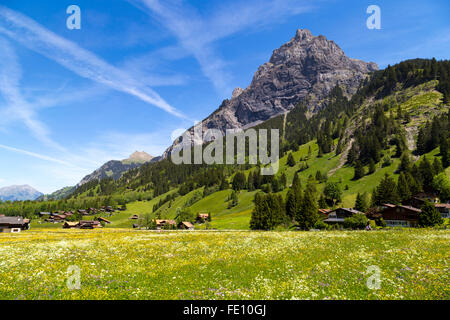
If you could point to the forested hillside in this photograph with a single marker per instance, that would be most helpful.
(386, 142)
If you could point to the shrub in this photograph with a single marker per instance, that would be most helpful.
(357, 221)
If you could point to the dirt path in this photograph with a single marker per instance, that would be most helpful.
(284, 124)
(343, 158)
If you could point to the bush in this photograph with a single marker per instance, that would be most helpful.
(321, 225)
(357, 221)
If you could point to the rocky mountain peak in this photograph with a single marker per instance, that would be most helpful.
(140, 156)
(306, 68)
(19, 193)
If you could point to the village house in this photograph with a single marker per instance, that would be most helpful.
(202, 217)
(444, 209)
(419, 200)
(401, 216)
(101, 219)
(82, 212)
(56, 218)
(185, 225)
(44, 214)
(71, 225)
(339, 215)
(324, 212)
(13, 224)
(162, 223)
(89, 224)
(134, 217)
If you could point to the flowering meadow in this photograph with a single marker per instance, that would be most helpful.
(127, 264)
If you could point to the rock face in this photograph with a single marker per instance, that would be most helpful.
(116, 168)
(139, 156)
(19, 193)
(307, 67)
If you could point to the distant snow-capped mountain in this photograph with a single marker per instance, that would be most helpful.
(19, 193)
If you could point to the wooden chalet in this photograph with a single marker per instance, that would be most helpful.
(339, 215)
(202, 217)
(185, 225)
(83, 212)
(163, 223)
(401, 216)
(101, 219)
(419, 200)
(44, 214)
(89, 224)
(324, 212)
(71, 225)
(134, 217)
(444, 209)
(13, 224)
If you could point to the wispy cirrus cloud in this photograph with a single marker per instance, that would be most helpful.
(37, 155)
(80, 61)
(17, 108)
(197, 34)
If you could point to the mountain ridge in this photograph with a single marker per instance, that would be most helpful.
(19, 193)
(305, 68)
(115, 168)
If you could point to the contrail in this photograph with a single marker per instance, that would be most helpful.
(71, 56)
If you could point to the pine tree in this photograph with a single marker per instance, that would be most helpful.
(239, 181)
(405, 162)
(290, 160)
(444, 151)
(309, 212)
(403, 188)
(361, 203)
(322, 202)
(386, 192)
(250, 181)
(372, 167)
(283, 180)
(294, 198)
(426, 172)
(429, 216)
(359, 171)
(437, 166)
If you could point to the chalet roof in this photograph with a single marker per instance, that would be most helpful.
(410, 208)
(71, 224)
(104, 220)
(442, 205)
(324, 211)
(354, 211)
(158, 222)
(389, 205)
(11, 220)
(187, 224)
(89, 222)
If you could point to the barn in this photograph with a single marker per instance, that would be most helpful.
(13, 224)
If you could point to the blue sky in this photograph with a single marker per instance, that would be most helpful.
(140, 70)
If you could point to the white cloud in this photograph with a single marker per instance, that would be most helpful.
(197, 34)
(18, 108)
(80, 61)
(37, 155)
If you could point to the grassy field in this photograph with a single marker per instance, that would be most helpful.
(126, 264)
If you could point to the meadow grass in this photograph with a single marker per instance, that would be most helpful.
(127, 264)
